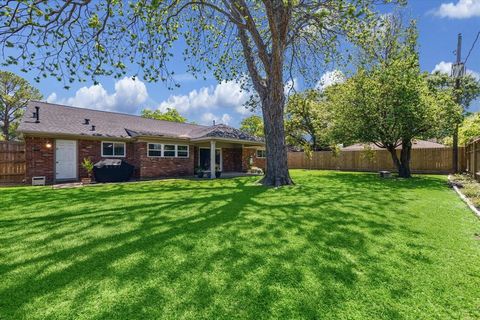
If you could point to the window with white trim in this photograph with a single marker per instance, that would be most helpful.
(261, 153)
(154, 149)
(113, 149)
(167, 150)
(182, 151)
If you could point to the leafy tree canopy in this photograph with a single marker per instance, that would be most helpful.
(170, 115)
(389, 102)
(15, 92)
(308, 120)
(252, 125)
(468, 92)
(469, 129)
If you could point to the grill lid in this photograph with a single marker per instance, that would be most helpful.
(108, 162)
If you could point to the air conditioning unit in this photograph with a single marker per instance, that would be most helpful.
(38, 181)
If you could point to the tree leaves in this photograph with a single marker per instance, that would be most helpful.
(389, 100)
(252, 125)
(15, 92)
(171, 114)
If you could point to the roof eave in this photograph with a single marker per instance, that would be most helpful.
(250, 142)
(44, 134)
(159, 138)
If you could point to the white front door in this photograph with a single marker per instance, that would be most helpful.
(66, 159)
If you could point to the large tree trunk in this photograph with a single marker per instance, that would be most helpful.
(5, 128)
(405, 155)
(273, 117)
(269, 83)
(402, 163)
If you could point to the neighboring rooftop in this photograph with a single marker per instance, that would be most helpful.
(60, 119)
(417, 144)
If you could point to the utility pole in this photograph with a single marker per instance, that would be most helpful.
(457, 72)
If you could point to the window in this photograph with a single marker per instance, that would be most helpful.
(182, 151)
(154, 150)
(113, 149)
(169, 150)
(261, 153)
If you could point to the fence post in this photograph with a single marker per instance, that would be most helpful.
(474, 160)
(474, 164)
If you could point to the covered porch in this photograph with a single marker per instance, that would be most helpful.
(230, 157)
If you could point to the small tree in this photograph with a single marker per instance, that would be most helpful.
(389, 103)
(307, 120)
(252, 125)
(87, 164)
(170, 115)
(15, 92)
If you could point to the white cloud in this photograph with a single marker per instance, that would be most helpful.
(227, 94)
(446, 67)
(330, 78)
(208, 118)
(128, 96)
(463, 9)
(443, 67)
(207, 102)
(291, 86)
(52, 97)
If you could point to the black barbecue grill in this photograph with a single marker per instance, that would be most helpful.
(112, 170)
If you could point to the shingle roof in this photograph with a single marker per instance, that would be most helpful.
(60, 119)
(223, 131)
(417, 144)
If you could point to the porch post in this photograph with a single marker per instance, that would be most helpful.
(212, 159)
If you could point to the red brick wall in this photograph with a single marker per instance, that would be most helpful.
(39, 159)
(232, 159)
(164, 167)
(93, 149)
(257, 162)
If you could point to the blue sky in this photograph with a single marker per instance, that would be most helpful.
(439, 22)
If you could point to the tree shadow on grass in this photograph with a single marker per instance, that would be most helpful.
(223, 249)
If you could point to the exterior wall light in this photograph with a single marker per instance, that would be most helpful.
(48, 145)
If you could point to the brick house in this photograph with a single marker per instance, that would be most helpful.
(58, 138)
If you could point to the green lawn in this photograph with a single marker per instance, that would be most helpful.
(335, 246)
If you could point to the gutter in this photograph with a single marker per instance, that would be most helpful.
(206, 139)
(136, 138)
(69, 135)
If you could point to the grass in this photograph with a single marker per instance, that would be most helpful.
(335, 246)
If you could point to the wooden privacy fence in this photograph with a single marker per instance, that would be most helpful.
(12, 162)
(431, 160)
(472, 153)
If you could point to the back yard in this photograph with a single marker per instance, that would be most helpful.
(335, 246)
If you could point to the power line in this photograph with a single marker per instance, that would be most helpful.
(473, 45)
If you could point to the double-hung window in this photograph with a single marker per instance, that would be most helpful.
(167, 150)
(154, 150)
(113, 149)
(182, 151)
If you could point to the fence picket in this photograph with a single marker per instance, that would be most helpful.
(12, 162)
(431, 160)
